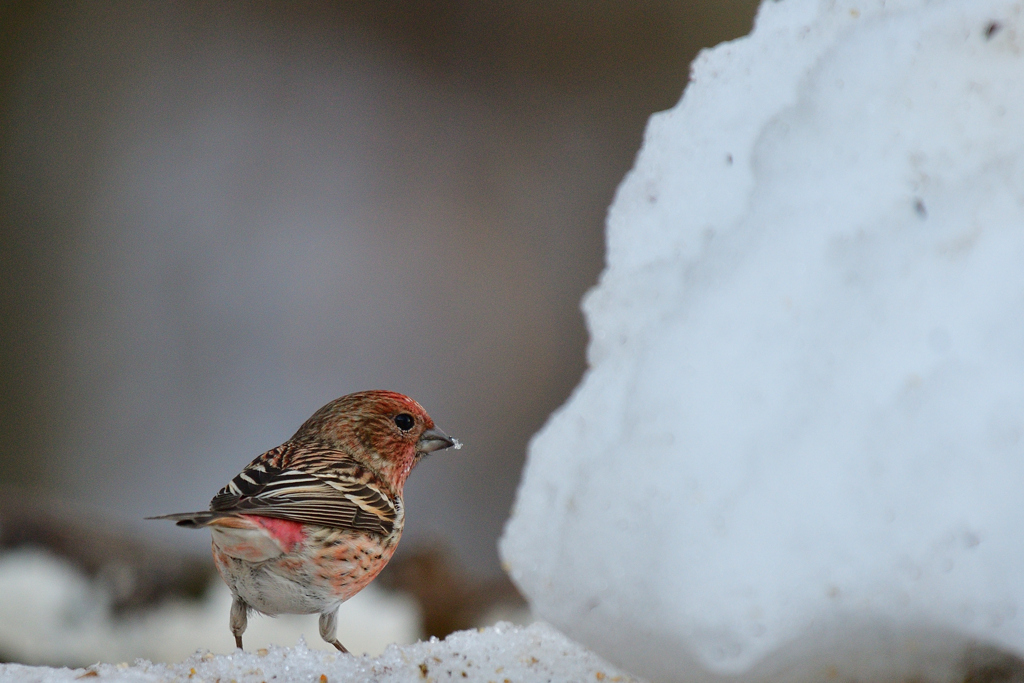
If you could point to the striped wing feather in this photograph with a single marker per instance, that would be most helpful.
(333, 492)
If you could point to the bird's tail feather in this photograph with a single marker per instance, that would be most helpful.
(193, 520)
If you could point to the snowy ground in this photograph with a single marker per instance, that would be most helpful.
(51, 613)
(502, 654)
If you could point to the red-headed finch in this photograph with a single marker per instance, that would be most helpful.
(309, 524)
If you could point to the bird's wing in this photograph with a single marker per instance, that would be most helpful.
(333, 491)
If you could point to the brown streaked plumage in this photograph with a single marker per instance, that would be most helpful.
(309, 524)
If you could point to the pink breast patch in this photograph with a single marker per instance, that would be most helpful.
(287, 534)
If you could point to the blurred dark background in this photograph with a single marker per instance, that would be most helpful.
(217, 216)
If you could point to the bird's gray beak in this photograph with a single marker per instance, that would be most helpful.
(434, 440)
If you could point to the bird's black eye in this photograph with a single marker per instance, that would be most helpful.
(404, 421)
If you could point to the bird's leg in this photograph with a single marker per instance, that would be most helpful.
(329, 628)
(239, 620)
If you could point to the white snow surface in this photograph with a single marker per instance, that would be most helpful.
(797, 452)
(502, 653)
(52, 613)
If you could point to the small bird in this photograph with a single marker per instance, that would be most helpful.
(309, 524)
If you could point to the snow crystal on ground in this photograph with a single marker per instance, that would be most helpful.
(798, 453)
(500, 654)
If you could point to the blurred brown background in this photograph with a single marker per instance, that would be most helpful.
(215, 217)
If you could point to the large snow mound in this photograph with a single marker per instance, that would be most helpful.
(797, 452)
(500, 653)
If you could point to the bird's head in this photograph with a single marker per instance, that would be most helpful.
(386, 430)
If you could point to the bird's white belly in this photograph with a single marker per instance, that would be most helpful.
(256, 569)
(275, 592)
